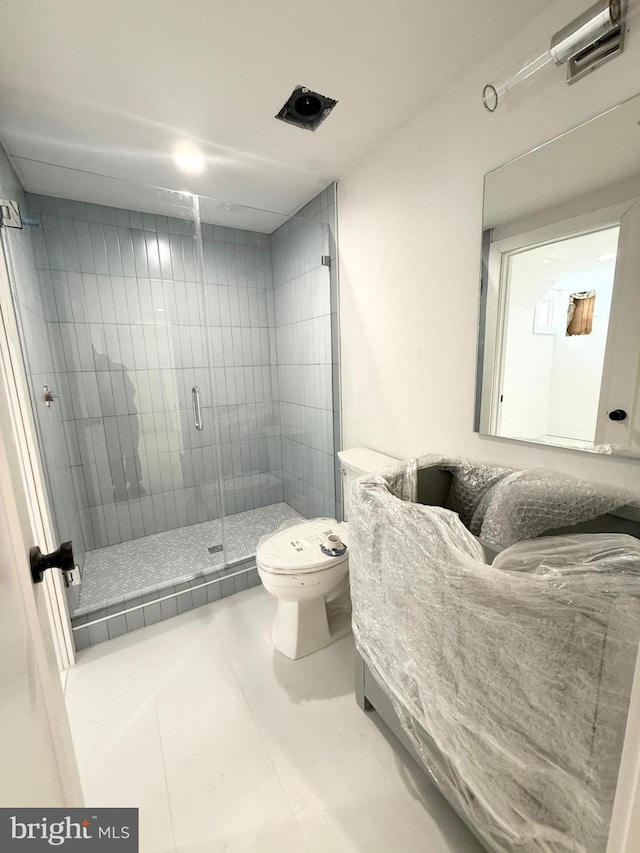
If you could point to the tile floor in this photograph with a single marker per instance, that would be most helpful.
(225, 745)
(130, 567)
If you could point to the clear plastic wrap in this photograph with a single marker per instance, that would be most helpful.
(524, 504)
(502, 506)
(617, 554)
(513, 679)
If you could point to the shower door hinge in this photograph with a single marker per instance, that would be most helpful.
(10, 213)
(326, 260)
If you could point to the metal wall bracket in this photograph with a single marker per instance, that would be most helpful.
(48, 396)
(10, 213)
(326, 260)
(592, 57)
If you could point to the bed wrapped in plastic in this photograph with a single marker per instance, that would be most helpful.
(512, 680)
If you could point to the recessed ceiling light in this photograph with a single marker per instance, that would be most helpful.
(188, 160)
(608, 256)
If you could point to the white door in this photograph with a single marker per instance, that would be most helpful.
(12, 368)
(620, 387)
(38, 766)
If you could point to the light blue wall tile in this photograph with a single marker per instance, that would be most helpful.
(92, 298)
(159, 511)
(98, 633)
(105, 296)
(61, 295)
(125, 525)
(140, 254)
(148, 516)
(168, 608)
(53, 242)
(153, 254)
(127, 256)
(122, 218)
(137, 523)
(81, 639)
(152, 614)
(98, 523)
(75, 291)
(136, 219)
(99, 249)
(214, 592)
(69, 247)
(84, 347)
(112, 244)
(119, 296)
(199, 596)
(117, 626)
(189, 258)
(135, 619)
(106, 215)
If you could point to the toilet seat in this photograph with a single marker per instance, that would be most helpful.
(296, 549)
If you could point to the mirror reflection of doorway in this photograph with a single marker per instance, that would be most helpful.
(551, 364)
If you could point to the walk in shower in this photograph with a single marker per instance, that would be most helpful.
(189, 348)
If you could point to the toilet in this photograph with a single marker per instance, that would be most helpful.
(311, 585)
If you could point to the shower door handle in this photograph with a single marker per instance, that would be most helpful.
(197, 408)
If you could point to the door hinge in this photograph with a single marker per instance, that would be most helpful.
(10, 213)
(326, 260)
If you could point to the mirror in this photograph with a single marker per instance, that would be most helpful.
(559, 336)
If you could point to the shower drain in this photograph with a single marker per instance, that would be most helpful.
(215, 549)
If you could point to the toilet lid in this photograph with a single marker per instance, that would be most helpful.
(297, 548)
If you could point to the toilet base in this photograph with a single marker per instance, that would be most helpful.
(304, 627)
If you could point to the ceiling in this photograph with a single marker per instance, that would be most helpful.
(603, 153)
(111, 87)
(577, 263)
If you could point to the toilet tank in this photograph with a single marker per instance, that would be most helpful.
(358, 461)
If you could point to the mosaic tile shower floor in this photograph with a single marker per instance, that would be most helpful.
(120, 570)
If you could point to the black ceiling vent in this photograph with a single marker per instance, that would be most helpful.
(306, 109)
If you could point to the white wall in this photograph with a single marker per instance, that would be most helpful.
(410, 228)
(528, 357)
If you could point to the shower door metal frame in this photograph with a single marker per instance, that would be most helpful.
(31, 462)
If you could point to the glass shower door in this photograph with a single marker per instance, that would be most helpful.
(121, 343)
(270, 296)
(189, 346)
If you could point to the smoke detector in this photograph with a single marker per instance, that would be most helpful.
(306, 109)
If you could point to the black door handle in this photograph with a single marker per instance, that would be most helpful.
(61, 559)
(618, 415)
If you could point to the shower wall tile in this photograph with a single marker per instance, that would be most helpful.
(306, 365)
(134, 333)
(118, 326)
(107, 271)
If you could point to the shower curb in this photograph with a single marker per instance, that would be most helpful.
(130, 613)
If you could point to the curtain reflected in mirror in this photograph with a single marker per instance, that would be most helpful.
(580, 313)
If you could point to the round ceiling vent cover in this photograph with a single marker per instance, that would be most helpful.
(306, 109)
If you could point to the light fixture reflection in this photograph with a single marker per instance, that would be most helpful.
(188, 160)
